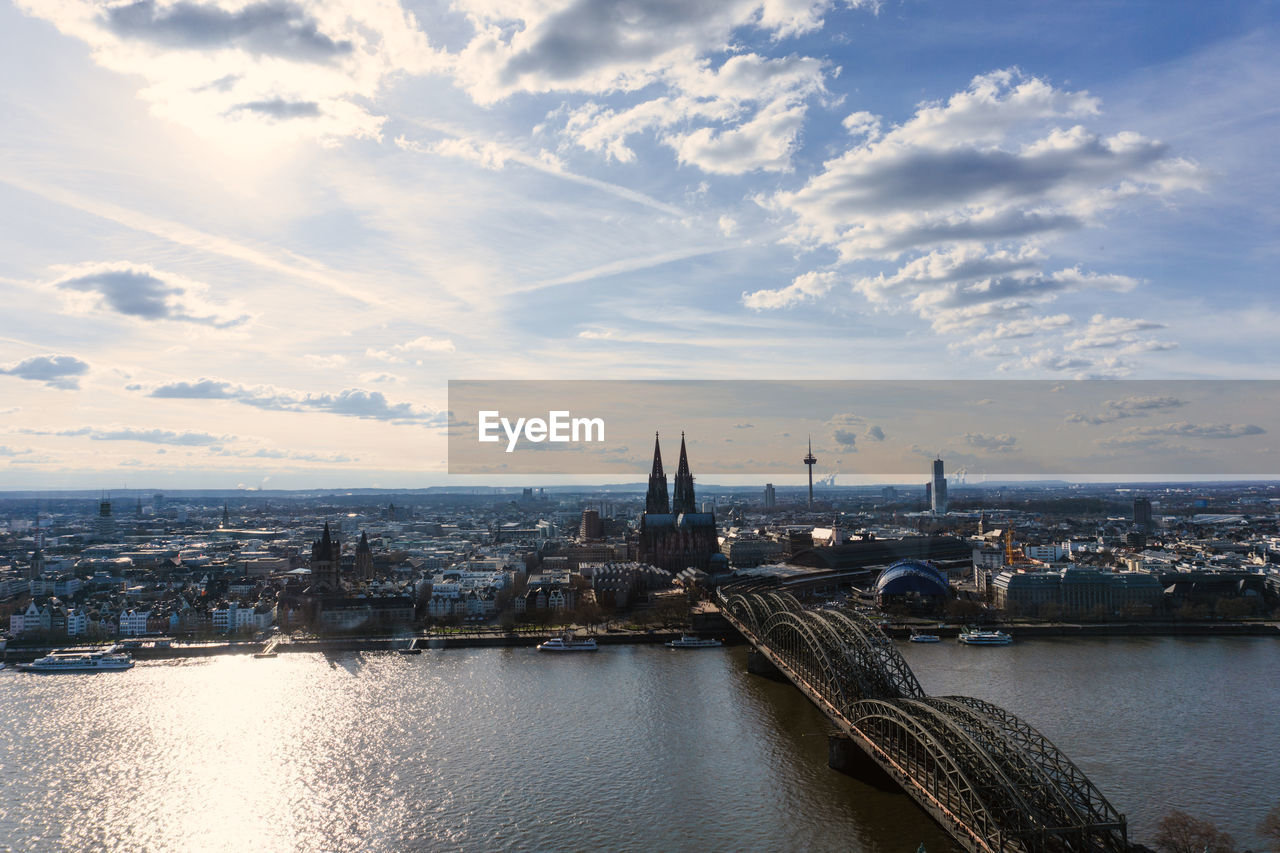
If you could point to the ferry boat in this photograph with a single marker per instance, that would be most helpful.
(688, 641)
(917, 637)
(79, 662)
(976, 637)
(568, 643)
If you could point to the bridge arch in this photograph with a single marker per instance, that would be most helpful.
(996, 782)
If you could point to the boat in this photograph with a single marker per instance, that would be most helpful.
(976, 637)
(568, 643)
(917, 637)
(79, 662)
(688, 641)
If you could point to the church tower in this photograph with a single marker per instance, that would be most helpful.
(364, 558)
(326, 562)
(683, 500)
(37, 564)
(657, 500)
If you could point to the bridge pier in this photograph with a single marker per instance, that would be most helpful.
(758, 664)
(844, 755)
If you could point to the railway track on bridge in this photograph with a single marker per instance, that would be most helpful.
(994, 782)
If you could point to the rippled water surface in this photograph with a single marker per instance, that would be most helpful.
(628, 749)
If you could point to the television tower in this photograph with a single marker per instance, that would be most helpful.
(810, 461)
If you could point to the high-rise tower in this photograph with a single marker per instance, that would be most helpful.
(105, 524)
(1142, 514)
(810, 460)
(938, 496)
(657, 500)
(683, 500)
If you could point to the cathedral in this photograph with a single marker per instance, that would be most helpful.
(673, 535)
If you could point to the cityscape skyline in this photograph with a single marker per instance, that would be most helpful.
(247, 245)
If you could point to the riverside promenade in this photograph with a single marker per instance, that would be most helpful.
(153, 648)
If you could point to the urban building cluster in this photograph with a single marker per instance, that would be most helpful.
(245, 564)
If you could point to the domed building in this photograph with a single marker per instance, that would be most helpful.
(914, 585)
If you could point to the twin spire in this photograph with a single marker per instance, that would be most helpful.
(656, 501)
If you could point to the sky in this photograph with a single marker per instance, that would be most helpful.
(248, 244)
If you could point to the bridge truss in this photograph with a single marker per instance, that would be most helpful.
(991, 779)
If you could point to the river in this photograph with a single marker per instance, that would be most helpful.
(633, 748)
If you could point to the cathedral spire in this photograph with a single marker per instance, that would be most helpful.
(683, 500)
(657, 501)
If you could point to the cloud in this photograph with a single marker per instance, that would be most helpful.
(279, 108)
(1001, 443)
(965, 163)
(1183, 429)
(297, 455)
(743, 116)
(1129, 407)
(150, 436)
(722, 115)
(971, 189)
(234, 71)
(602, 46)
(803, 288)
(846, 438)
(874, 433)
(427, 344)
(422, 344)
(351, 402)
(141, 291)
(56, 371)
(7, 451)
(1116, 333)
(271, 28)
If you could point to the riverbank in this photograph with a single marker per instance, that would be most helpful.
(162, 650)
(158, 650)
(1117, 629)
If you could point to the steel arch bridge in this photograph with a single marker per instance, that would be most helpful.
(989, 778)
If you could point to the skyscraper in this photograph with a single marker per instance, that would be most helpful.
(770, 497)
(105, 524)
(1142, 513)
(938, 494)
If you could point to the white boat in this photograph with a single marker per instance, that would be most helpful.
(79, 662)
(976, 637)
(568, 643)
(917, 637)
(688, 641)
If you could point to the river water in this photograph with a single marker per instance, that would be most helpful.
(629, 749)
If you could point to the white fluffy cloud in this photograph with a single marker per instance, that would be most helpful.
(803, 288)
(971, 190)
(268, 69)
(985, 165)
(750, 110)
